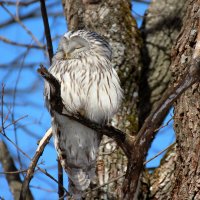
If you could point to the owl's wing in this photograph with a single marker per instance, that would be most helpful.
(63, 132)
(47, 93)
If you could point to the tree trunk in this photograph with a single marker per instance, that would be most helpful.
(186, 118)
(178, 175)
(160, 29)
(114, 21)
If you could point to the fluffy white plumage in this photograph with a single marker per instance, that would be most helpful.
(90, 86)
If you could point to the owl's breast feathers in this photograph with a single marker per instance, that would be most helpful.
(89, 86)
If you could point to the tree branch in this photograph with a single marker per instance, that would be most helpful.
(61, 192)
(6, 40)
(147, 132)
(16, 19)
(31, 169)
(50, 51)
(42, 144)
(13, 3)
(13, 179)
(171, 95)
(151, 123)
(47, 29)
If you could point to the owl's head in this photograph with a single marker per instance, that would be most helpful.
(81, 43)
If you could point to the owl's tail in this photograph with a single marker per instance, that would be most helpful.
(79, 178)
(79, 181)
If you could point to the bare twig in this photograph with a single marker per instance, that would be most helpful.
(164, 125)
(18, 148)
(13, 106)
(15, 172)
(2, 110)
(47, 29)
(34, 13)
(12, 3)
(43, 142)
(51, 177)
(13, 179)
(2, 130)
(142, 1)
(39, 154)
(15, 121)
(41, 188)
(29, 175)
(6, 40)
(61, 192)
(26, 155)
(23, 26)
(159, 153)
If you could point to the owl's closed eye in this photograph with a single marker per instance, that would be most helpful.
(69, 48)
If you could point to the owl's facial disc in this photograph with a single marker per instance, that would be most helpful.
(73, 46)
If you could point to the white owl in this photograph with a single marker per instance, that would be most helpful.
(90, 86)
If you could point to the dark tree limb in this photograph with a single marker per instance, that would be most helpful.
(31, 169)
(61, 192)
(47, 29)
(50, 51)
(171, 95)
(13, 179)
(147, 132)
(34, 161)
(135, 148)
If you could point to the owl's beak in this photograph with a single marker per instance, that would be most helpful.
(67, 55)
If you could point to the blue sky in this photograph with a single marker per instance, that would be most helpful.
(30, 102)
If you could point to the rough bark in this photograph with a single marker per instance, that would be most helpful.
(187, 115)
(114, 21)
(160, 29)
(178, 175)
(158, 185)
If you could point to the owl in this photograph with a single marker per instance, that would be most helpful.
(89, 86)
